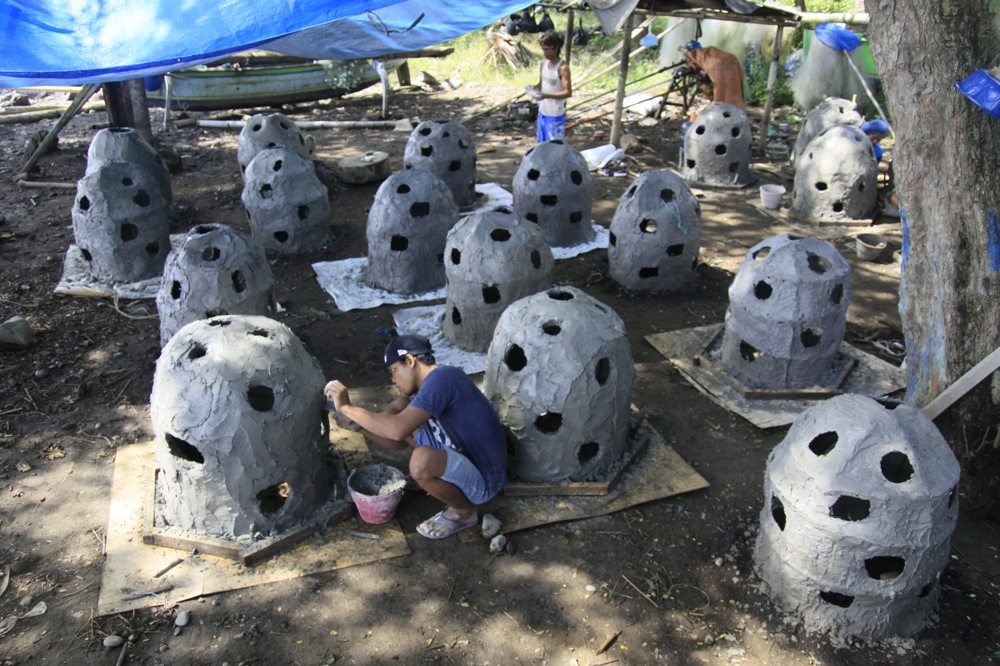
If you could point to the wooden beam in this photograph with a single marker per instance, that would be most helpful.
(965, 383)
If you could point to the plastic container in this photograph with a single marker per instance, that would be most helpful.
(376, 490)
(770, 195)
(869, 246)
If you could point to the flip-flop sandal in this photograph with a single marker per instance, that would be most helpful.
(451, 526)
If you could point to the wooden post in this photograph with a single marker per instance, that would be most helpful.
(118, 97)
(140, 110)
(772, 79)
(568, 45)
(403, 74)
(616, 123)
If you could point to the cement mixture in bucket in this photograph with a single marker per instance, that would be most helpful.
(377, 480)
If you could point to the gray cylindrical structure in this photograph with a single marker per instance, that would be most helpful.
(835, 177)
(717, 147)
(559, 373)
(120, 223)
(491, 260)
(286, 204)
(859, 506)
(216, 271)
(446, 149)
(270, 130)
(552, 188)
(831, 111)
(236, 410)
(655, 234)
(787, 313)
(407, 230)
(124, 144)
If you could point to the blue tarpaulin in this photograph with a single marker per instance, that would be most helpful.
(57, 42)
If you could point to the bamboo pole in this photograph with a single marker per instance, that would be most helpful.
(85, 94)
(772, 78)
(44, 114)
(616, 123)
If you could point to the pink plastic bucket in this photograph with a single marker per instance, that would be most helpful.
(376, 491)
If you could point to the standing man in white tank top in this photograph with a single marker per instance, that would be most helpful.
(554, 87)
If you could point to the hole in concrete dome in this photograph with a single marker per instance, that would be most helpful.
(455, 165)
(83, 203)
(576, 177)
(647, 272)
(631, 191)
(726, 114)
(420, 209)
(196, 352)
(861, 186)
(884, 567)
(952, 495)
(272, 144)
(549, 199)
(734, 167)
(181, 449)
(515, 358)
(818, 264)
(557, 141)
(700, 129)
(425, 131)
(277, 165)
(612, 239)
(403, 189)
(690, 164)
(794, 237)
(407, 165)
(821, 186)
(302, 140)
(281, 236)
(456, 316)
(426, 149)
(220, 322)
(926, 589)
(575, 216)
(531, 217)
(175, 290)
(217, 312)
(152, 248)
(811, 337)
(836, 294)
(445, 134)
(648, 226)
(548, 422)
(836, 598)
(748, 352)
(261, 398)
(456, 256)
(491, 294)
(210, 254)
(675, 250)
(667, 194)
(603, 371)
(399, 243)
(736, 131)
(536, 259)
(896, 467)
(239, 282)
(86, 254)
(762, 290)
(559, 295)
(721, 149)
(823, 443)
(129, 232)
(285, 126)
(141, 198)
(440, 257)
(259, 332)
(303, 211)
(851, 509)
(500, 235)
(266, 191)
(272, 498)
(587, 452)
(126, 181)
(534, 174)
(778, 512)
(838, 206)
(551, 328)
(462, 143)
(761, 253)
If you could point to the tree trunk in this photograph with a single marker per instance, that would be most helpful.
(947, 171)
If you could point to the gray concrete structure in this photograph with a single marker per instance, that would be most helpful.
(407, 230)
(831, 111)
(120, 223)
(491, 260)
(216, 271)
(835, 177)
(271, 130)
(717, 147)
(446, 149)
(552, 188)
(286, 204)
(787, 313)
(237, 413)
(124, 144)
(655, 234)
(860, 504)
(559, 373)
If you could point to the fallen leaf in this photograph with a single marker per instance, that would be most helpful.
(53, 452)
(23, 467)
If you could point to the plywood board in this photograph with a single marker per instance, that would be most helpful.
(132, 569)
(870, 376)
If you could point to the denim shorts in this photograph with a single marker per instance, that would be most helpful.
(459, 471)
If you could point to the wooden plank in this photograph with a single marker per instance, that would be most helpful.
(204, 545)
(965, 383)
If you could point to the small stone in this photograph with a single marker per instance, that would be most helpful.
(27, 601)
(177, 631)
(113, 641)
(15, 333)
(491, 526)
(591, 588)
(182, 619)
(498, 543)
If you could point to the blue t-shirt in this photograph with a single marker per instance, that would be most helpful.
(464, 420)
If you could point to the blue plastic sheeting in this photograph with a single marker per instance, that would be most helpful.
(983, 89)
(837, 37)
(55, 42)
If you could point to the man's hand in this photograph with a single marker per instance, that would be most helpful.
(337, 393)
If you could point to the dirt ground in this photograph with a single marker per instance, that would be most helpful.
(672, 579)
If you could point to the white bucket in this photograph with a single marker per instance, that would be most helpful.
(770, 195)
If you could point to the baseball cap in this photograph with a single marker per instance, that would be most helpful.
(875, 127)
(406, 344)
